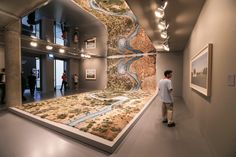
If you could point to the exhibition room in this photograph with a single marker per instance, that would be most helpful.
(117, 78)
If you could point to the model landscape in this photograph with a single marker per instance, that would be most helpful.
(102, 113)
(131, 72)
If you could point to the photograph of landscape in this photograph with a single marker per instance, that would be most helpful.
(199, 71)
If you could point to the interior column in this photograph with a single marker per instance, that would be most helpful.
(13, 64)
(47, 74)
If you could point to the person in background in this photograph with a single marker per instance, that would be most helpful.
(23, 85)
(3, 85)
(64, 81)
(76, 80)
(165, 95)
(32, 83)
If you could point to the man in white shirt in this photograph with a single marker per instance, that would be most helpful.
(2, 86)
(76, 79)
(165, 94)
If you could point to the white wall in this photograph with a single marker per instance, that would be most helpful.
(2, 57)
(97, 31)
(216, 114)
(171, 61)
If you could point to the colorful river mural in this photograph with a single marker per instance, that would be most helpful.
(125, 37)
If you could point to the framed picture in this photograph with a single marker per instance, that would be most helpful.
(200, 70)
(90, 74)
(90, 43)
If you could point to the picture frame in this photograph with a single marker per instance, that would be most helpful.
(200, 70)
(90, 74)
(90, 43)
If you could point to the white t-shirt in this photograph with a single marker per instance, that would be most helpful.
(76, 78)
(165, 87)
(3, 79)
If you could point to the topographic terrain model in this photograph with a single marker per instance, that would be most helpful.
(131, 77)
(101, 113)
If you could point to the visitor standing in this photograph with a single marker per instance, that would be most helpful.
(165, 94)
(32, 83)
(3, 85)
(23, 85)
(76, 80)
(64, 81)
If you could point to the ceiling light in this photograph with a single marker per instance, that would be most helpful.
(164, 34)
(48, 47)
(166, 47)
(88, 56)
(162, 25)
(82, 55)
(33, 43)
(159, 13)
(61, 50)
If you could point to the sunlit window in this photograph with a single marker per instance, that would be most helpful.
(28, 30)
(58, 34)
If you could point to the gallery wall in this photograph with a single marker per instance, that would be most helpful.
(2, 57)
(94, 31)
(101, 74)
(215, 114)
(171, 61)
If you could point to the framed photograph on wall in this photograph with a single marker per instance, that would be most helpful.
(90, 74)
(90, 43)
(200, 70)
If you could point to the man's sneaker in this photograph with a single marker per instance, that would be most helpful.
(171, 124)
(165, 121)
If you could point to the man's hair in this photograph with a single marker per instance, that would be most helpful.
(167, 72)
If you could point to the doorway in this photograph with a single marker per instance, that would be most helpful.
(31, 64)
(59, 68)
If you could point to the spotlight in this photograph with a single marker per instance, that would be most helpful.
(166, 47)
(48, 47)
(162, 25)
(164, 34)
(88, 56)
(159, 13)
(33, 44)
(61, 50)
(82, 55)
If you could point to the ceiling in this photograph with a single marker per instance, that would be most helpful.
(69, 12)
(181, 15)
(11, 10)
